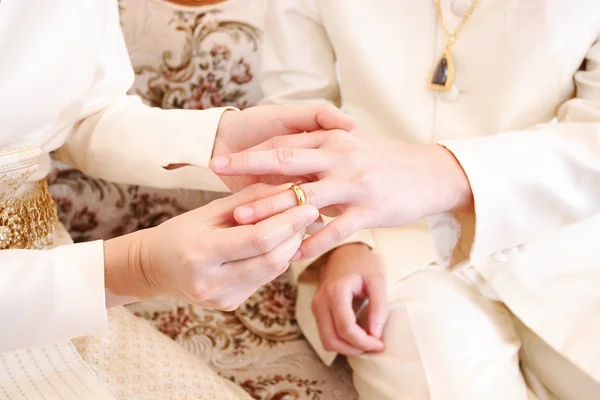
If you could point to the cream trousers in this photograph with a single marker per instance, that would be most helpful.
(445, 340)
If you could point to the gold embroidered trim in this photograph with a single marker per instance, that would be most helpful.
(28, 221)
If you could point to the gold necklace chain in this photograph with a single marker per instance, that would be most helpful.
(443, 74)
(451, 36)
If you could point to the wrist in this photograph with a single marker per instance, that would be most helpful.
(350, 248)
(344, 258)
(453, 183)
(226, 124)
(123, 266)
(345, 251)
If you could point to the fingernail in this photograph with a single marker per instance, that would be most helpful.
(378, 331)
(220, 162)
(344, 115)
(245, 212)
(299, 181)
(296, 256)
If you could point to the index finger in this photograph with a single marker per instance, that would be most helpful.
(378, 305)
(278, 161)
(345, 322)
(246, 241)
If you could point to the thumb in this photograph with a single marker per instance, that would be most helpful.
(330, 117)
(248, 195)
(378, 304)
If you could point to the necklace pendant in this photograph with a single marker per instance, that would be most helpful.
(443, 72)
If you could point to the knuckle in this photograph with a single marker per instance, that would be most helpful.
(218, 203)
(283, 267)
(314, 305)
(331, 289)
(365, 187)
(311, 197)
(328, 344)
(273, 264)
(376, 274)
(261, 241)
(345, 330)
(362, 180)
(298, 224)
(278, 142)
(269, 207)
(312, 248)
(339, 232)
(199, 293)
(338, 135)
(190, 260)
(256, 189)
(358, 158)
(284, 155)
(229, 306)
(243, 159)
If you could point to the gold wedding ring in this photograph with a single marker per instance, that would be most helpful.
(300, 195)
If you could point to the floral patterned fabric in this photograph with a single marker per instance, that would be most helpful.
(198, 54)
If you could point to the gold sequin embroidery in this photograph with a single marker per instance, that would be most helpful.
(28, 221)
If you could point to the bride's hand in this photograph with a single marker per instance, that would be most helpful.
(377, 182)
(203, 256)
(241, 130)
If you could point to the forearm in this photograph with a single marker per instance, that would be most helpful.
(120, 139)
(132, 143)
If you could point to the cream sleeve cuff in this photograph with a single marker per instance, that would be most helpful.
(47, 296)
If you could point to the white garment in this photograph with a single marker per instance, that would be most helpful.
(518, 65)
(63, 80)
(64, 73)
(445, 341)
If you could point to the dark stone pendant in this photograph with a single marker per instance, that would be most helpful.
(440, 75)
(443, 73)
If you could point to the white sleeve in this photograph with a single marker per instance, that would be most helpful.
(527, 183)
(298, 62)
(120, 139)
(47, 296)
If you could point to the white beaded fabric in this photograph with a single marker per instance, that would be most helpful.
(137, 362)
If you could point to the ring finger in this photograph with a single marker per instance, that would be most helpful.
(319, 194)
(264, 268)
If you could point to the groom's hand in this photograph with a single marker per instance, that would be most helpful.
(374, 183)
(351, 272)
(241, 130)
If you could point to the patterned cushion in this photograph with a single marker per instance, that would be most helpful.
(199, 54)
